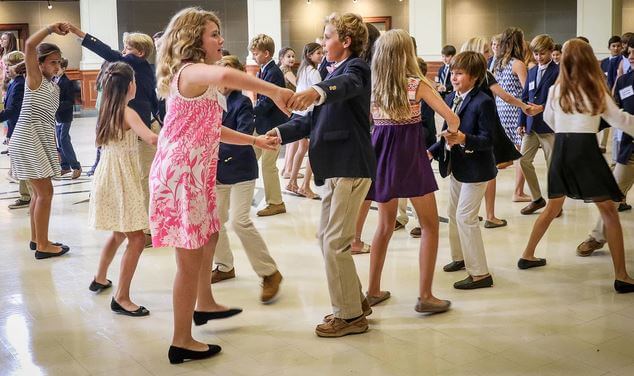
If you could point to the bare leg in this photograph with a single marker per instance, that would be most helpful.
(614, 236)
(205, 300)
(42, 214)
(290, 151)
(382, 236)
(129, 262)
(519, 194)
(427, 212)
(305, 189)
(357, 244)
(188, 264)
(296, 163)
(107, 254)
(553, 207)
(489, 201)
(32, 215)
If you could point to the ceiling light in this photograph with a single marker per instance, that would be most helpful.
(49, 6)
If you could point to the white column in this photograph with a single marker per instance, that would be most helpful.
(98, 18)
(265, 17)
(427, 25)
(596, 21)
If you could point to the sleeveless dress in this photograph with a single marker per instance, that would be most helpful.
(403, 169)
(183, 209)
(33, 149)
(117, 201)
(509, 114)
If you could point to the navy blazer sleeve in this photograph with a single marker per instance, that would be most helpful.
(486, 118)
(101, 49)
(244, 120)
(295, 129)
(265, 104)
(13, 102)
(348, 85)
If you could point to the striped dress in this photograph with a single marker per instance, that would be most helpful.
(32, 148)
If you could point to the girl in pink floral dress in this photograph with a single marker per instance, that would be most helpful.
(183, 176)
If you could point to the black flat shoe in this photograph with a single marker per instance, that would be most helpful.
(178, 355)
(469, 284)
(98, 287)
(44, 255)
(623, 287)
(527, 264)
(201, 318)
(454, 266)
(33, 245)
(624, 207)
(116, 307)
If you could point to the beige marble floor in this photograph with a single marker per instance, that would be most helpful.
(564, 319)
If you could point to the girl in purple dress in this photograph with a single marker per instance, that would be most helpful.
(403, 168)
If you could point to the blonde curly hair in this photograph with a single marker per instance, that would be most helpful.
(350, 25)
(182, 42)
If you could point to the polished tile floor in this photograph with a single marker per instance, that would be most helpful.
(564, 319)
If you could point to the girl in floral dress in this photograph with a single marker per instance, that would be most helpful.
(183, 176)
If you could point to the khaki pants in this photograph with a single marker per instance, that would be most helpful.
(624, 175)
(401, 216)
(25, 190)
(146, 157)
(603, 137)
(270, 175)
(238, 198)
(465, 237)
(339, 209)
(530, 144)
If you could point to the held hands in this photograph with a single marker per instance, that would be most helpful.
(521, 130)
(60, 28)
(267, 142)
(302, 100)
(532, 109)
(452, 139)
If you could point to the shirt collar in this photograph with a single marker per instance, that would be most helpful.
(543, 67)
(464, 95)
(267, 64)
(336, 65)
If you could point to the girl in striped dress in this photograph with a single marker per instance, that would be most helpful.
(33, 148)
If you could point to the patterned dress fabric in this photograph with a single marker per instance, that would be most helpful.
(183, 208)
(33, 149)
(509, 114)
(117, 201)
(403, 169)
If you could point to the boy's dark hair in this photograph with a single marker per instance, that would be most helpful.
(630, 44)
(614, 39)
(422, 65)
(448, 50)
(472, 63)
(557, 47)
(64, 63)
(584, 39)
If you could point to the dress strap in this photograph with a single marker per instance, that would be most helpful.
(412, 87)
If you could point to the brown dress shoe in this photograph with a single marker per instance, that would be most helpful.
(533, 206)
(588, 246)
(415, 233)
(272, 209)
(76, 174)
(365, 307)
(339, 327)
(217, 275)
(270, 287)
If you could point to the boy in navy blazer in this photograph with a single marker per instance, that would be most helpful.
(444, 72)
(343, 159)
(467, 157)
(63, 121)
(624, 168)
(268, 116)
(535, 132)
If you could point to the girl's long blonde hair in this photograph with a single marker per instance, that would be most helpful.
(394, 61)
(182, 42)
(582, 86)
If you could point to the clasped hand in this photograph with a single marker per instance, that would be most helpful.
(268, 142)
(288, 101)
(457, 138)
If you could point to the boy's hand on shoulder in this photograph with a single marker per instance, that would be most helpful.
(302, 100)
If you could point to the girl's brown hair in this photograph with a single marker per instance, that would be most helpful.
(45, 49)
(13, 44)
(511, 46)
(582, 86)
(115, 83)
(309, 49)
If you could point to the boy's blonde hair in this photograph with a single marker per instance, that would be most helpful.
(231, 61)
(393, 63)
(476, 44)
(182, 42)
(542, 43)
(262, 42)
(13, 58)
(350, 25)
(141, 42)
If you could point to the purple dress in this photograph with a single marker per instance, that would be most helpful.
(403, 169)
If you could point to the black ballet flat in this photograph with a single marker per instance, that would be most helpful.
(623, 287)
(98, 287)
(201, 318)
(178, 355)
(44, 255)
(527, 264)
(33, 245)
(116, 307)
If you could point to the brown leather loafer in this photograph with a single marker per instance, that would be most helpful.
(588, 246)
(272, 209)
(217, 275)
(533, 206)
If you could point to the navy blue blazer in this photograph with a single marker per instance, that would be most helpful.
(626, 147)
(610, 66)
(429, 124)
(323, 68)
(447, 82)
(237, 163)
(13, 104)
(538, 95)
(145, 102)
(64, 112)
(267, 115)
(339, 129)
(475, 162)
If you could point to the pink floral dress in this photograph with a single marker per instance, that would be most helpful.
(183, 175)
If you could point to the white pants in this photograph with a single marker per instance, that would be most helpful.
(238, 198)
(465, 237)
